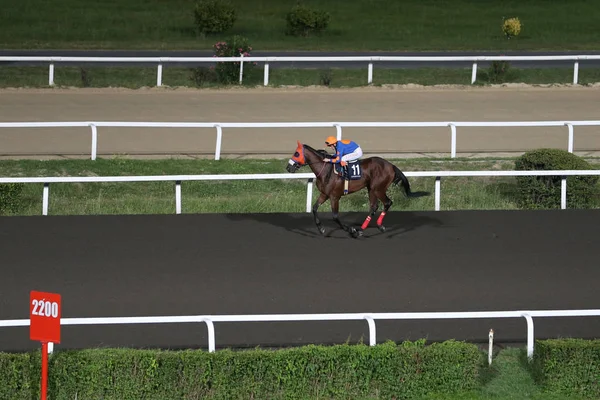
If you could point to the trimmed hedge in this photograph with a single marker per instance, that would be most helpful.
(568, 366)
(343, 371)
(544, 191)
(10, 197)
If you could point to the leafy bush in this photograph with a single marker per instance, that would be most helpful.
(568, 366)
(302, 21)
(544, 191)
(10, 194)
(214, 16)
(348, 371)
(229, 72)
(511, 27)
(498, 71)
(16, 377)
(202, 75)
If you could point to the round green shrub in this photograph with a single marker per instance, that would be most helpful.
(10, 197)
(543, 192)
(303, 20)
(214, 16)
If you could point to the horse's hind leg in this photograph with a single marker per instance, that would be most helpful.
(373, 209)
(387, 203)
(322, 199)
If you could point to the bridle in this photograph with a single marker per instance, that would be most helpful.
(307, 163)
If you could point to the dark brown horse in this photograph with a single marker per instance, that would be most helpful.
(377, 175)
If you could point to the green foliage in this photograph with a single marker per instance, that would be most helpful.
(511, 27)
(229, 72)
(214, 16)
(344, 371)
(203, 75)
(544, 191)
(568, 366)
(16, 376)
(303, 20)
(498, 71)
(10, 194)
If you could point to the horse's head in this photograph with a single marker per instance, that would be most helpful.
(297, 159)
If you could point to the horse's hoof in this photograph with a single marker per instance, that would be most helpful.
(355, 233)
(381, 228)
(321, 230)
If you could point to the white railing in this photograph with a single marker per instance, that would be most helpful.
(310, 177)
(209, 320)
(366, 59)
(93, 125)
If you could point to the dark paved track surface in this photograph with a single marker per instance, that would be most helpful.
(275, 263)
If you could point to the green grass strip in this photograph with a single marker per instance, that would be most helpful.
(458, 193)
(355, 25)
(145, 76)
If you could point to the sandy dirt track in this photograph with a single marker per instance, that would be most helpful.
(507, 103)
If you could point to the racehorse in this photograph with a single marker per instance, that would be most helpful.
(375, 174)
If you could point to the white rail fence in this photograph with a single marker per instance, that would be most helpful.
(210, 320)
(93, 125)
(310, 177)
(369, 60)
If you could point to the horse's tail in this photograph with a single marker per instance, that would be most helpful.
(399, 176)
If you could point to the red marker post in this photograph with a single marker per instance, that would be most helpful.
(44, 326)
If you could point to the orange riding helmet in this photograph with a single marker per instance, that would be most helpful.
(331, 140)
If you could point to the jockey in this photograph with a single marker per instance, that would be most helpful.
(345, 150)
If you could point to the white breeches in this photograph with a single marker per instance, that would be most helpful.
(356, 154)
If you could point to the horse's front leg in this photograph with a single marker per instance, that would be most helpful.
(335, 204)
(322, 199)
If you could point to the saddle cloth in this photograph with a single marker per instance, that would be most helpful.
(354, 170)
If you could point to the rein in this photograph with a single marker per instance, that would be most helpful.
(322, 168)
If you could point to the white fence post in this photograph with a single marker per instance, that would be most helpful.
(309, 193)
(563, 193)
(370, 74)
(266, 75)
(94, 141)
(452, 140)
(45, 198)
(51, 74)
(576, 73)
(241, 67)
(490, 346)
(178, 197)
(571, 137)
(474, 73)
(530, 335)
(372, 330)
(159, 75)
(438, 185)
(219, 138)
(338, 130)
(211, 335)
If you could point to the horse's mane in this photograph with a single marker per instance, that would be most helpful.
(320, 152)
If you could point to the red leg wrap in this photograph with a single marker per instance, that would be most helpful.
(366, 223)
(380, 219)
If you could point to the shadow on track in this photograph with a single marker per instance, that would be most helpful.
(398, 223)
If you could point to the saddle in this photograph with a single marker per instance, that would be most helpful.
(350, 172)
